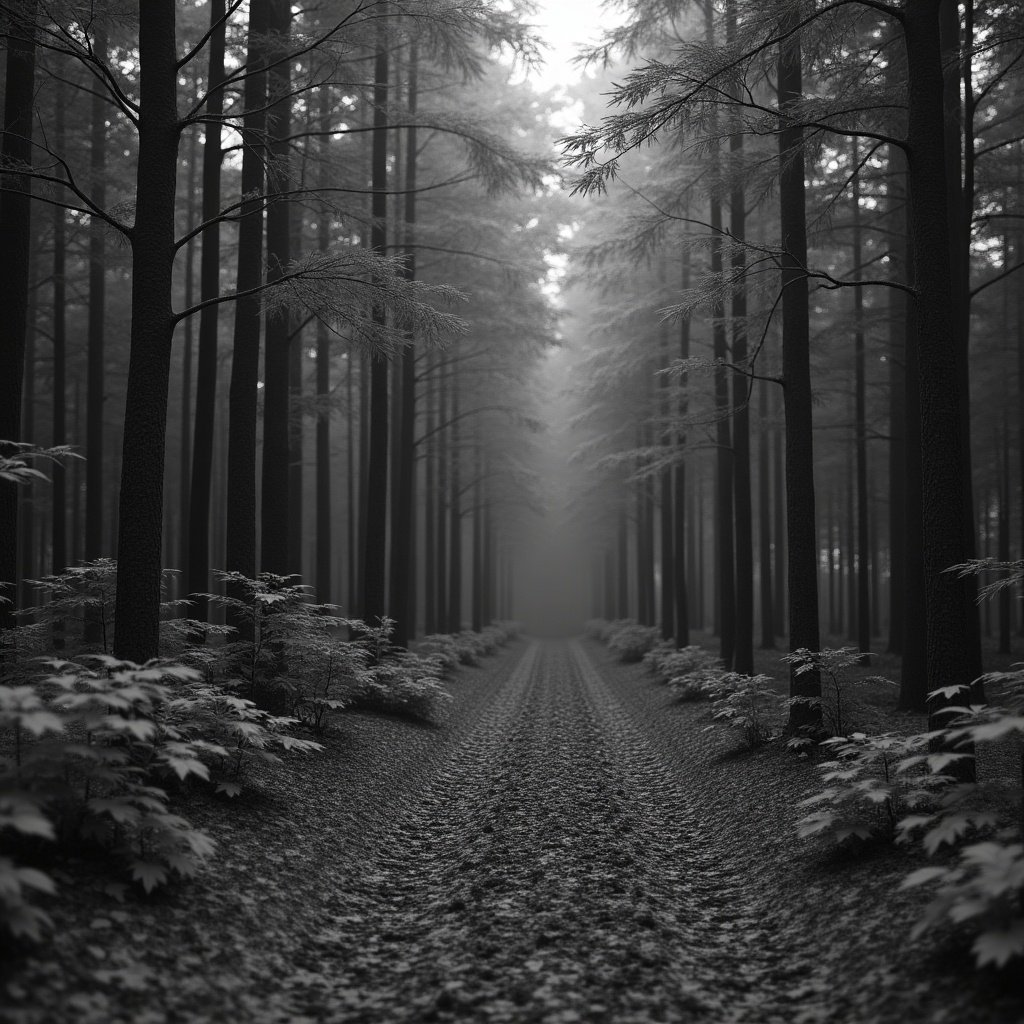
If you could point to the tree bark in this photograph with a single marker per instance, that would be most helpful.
(743, 516)
(324, 546)
(950, 648)
(403, 523)
(16, 232)
(240, 546)
(764, 519)
(375, 564)
(140, 509)
(95, 455)
(455, 512)
(206, 358)
(860, 422)
(59, 532)
(275, 478)
(796, 372)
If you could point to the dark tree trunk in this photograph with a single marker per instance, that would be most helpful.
(477, 619)
(95, 455)
(59, 532)
(430, 570)
(140, 511)
(16, 232)
(375, 563)
(779, 520)
(185, 428)
(959, 213)
(622, 576)
(950, 646)
(860, 423)
(455, 513)
(744, 585)
(914, 664)
(351, 492)
(240, 546)
(796, 372)
(896, 359)
(275, 478)
(1005, 595)
(679, 538)
(764, 519)
(403, 524)
(324, 546)
(441, 546)
(198, 581)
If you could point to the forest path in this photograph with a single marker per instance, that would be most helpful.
(549, 868)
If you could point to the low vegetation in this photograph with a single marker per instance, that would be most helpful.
(901, 788)
(95, 750)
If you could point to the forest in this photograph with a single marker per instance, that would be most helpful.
(511, 511)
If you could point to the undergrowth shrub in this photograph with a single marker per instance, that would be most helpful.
(631, 642)
(842, 708)
(748, 704)
(981, 886)
(89, 750)
(692, 673)
(398, 681)
(871, 782)
(901, 787)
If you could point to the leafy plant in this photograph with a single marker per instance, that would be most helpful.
(91, 748)
(68, 600)
(16, 459)
(631, 642)
(841, 707)
(749, 704)
(983, 886)
(401, 685)
(871, 783)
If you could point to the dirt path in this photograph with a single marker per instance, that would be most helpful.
(550, 869)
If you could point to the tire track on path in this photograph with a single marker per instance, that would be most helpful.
(549, 870)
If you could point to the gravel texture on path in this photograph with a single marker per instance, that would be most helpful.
(568, 846)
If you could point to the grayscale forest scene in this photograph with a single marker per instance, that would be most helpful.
(512, 511)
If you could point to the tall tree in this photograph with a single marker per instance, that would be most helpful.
(16, 231)
(375, 564)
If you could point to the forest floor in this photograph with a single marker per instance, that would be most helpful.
(568, 846)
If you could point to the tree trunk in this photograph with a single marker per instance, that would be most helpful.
(206, 358)
(95, 454)
(16, 232)
(744, 585)
(860, 423)
(275, 478)
(185, 427)
(403, 524)
(796, 371)
(896, 359)
(779, 520)
(140, 510)
(375, 563)
(959, 212)
(324, 547)
(430, 500)
(764, 519)
(455, 513)
(240, 547)
(950, 648)
(679, 538)
(59, 535)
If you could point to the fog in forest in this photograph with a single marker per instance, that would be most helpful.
(511, 511)
(554, 555)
